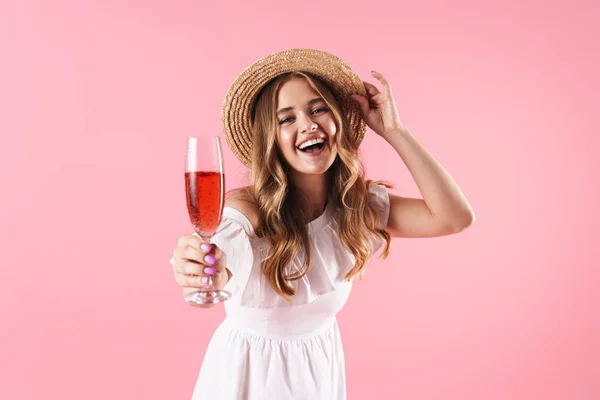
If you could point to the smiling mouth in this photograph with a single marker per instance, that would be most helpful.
(312, 146)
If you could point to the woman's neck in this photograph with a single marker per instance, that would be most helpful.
(314, 190)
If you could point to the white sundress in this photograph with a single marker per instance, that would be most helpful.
(266, 349)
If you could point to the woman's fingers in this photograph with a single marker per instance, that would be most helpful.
(212, 249)
(371, 89)
(188, 252)
(192, 248)
(192, 264)
(194, 274)
(189, 280)
(191, 268)
(387, 87)
(378, 99)
(197, 263)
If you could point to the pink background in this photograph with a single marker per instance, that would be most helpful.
(97, 97)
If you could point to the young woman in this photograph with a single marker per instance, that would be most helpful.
(290, 244)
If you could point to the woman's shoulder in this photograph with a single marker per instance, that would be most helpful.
(242, 201)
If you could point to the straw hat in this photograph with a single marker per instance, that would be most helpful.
(237, 106)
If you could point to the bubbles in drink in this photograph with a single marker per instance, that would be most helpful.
(204, 199)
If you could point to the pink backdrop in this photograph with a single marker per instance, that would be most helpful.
(97, 97)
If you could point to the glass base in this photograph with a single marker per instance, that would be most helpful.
(207, 296)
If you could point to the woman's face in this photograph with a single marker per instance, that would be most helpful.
(305, 128)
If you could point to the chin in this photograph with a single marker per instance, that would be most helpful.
(304, 169)
(318, 167)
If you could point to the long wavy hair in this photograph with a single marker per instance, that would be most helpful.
(283, 208)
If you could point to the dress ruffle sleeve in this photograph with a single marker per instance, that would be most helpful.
(233, 238)
(380, 200)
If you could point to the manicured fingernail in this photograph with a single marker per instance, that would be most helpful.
(209, 271)
(204, 280)
(205, 247)
(209, 258)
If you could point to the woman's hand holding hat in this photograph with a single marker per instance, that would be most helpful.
(379, 110)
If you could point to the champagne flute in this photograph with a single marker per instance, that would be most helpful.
(205, 195)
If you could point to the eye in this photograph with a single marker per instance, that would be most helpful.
(286, 120)
(319, 110)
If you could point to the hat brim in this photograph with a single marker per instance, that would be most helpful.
(236, 113)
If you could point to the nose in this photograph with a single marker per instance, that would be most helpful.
(307, 125)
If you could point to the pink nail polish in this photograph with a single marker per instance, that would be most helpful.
(205, 247)
(209, 258)
(209, 271)
(204, 280)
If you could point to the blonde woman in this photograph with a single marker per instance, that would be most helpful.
(292, 242)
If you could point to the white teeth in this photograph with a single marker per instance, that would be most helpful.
(310, 143)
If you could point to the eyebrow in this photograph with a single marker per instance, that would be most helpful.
(311, 102)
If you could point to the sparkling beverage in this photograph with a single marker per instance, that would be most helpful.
(204, 199)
